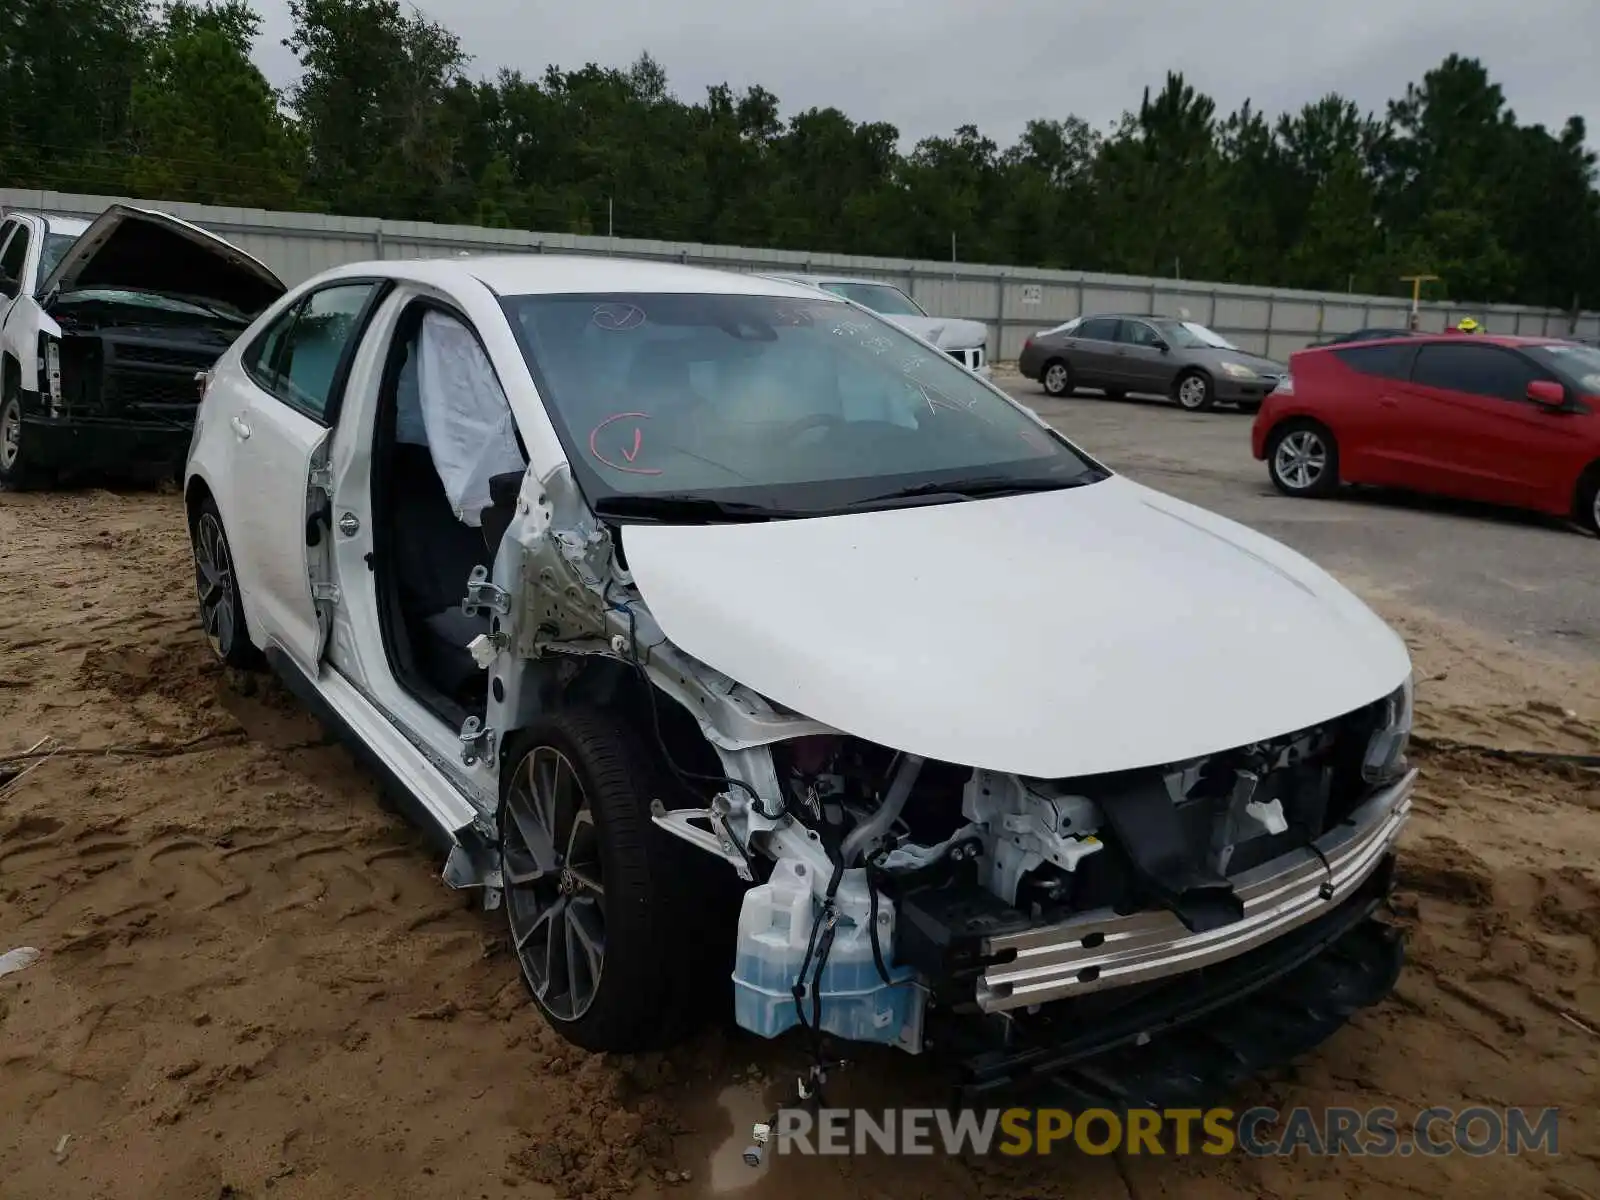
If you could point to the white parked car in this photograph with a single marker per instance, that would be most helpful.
(965, 341)
(712, 624)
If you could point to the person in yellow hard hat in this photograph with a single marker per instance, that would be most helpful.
(1468, 325)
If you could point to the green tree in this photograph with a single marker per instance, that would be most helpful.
(204, 123)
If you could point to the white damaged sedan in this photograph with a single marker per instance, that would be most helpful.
(740, 646)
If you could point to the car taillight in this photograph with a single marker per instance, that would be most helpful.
(1027, 343)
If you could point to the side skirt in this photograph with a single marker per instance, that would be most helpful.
(447, 821)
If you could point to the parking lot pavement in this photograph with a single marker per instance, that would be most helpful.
(1520, 576)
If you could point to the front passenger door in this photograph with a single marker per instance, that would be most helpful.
(1146, 366)
(281, 493)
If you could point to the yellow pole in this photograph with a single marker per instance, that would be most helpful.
(1416, 282)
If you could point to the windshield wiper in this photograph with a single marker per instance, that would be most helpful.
(985, 486)
(686, 508)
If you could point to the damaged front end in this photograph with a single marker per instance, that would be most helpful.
(119, 387)
(1035, 930)
(134, 314)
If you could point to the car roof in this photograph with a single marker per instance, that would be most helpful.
(558, 274)
(58, 223)
(1419, 338)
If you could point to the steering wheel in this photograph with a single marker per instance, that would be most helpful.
(797, 429)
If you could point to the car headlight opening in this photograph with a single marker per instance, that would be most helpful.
(1385, 759)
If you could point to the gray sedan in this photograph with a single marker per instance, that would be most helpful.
(1121, 354)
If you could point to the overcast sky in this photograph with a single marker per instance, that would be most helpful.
(931, 65)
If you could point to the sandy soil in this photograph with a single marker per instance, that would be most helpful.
(254, 985)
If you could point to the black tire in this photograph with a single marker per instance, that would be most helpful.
(217, 591)
(1310, 465)
(18, 470)
(1586, 500)
(660, 954)
(1194, 391)
(1056, 378)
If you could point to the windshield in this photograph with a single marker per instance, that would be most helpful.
(879, 297)
(1188, 335)
(1579, 364)
(794, 403)
(55, 245)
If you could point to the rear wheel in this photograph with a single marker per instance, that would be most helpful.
(216, 588)
(1303, 459)
(1057, 378)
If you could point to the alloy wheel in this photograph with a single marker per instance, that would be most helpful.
(214, 584)
(10, 433)
(1192, 391)
(1055, 379)
(554, 888)
(1300, 459)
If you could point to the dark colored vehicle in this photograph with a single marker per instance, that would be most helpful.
(1502, 420)
(101, 357)
(1361, 335)
(1120, 354)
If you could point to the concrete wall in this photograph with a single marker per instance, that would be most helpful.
(1013, 301)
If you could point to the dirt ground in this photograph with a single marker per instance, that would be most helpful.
(253, 984)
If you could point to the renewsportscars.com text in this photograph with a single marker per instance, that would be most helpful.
(1257, 1132)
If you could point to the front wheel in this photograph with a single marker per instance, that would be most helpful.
(18, 470)
(1303, 459)
(1586, 503)
(599, 901)
(1057, 378)
(1194, 391)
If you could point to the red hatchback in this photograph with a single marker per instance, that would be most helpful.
(1504, 420)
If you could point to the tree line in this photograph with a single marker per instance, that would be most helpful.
(386, 119)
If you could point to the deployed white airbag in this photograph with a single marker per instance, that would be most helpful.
(464, 410)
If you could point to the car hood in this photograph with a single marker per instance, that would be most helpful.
(140, 250)
(947, 333)
(1053, 634)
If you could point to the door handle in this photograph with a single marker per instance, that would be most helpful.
(239, 427)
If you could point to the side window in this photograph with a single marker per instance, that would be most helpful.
(1098, 329)
(15, 255)
(1479, 370)
(261, 359)
(1386, 362)
(297, 359)
(1139, 333)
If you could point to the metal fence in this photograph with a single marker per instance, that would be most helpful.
(1012, 301)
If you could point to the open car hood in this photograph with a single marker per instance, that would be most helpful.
(141, 250)
(1054, 634)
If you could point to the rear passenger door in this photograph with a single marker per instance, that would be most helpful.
(281, 505)
(1382, 438)
(1092, 353)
